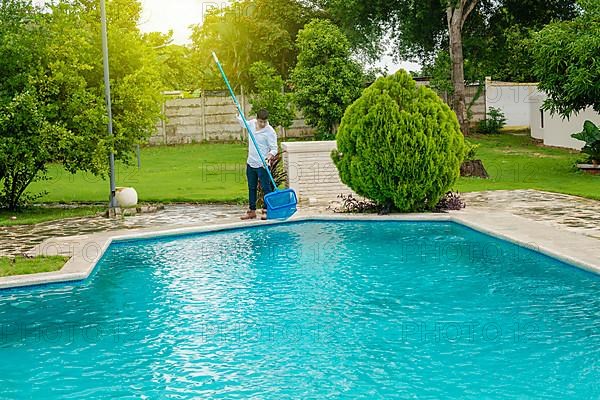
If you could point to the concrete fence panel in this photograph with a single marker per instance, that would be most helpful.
(211, 117)
(514, 99)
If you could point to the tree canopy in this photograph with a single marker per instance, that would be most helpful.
(325, 80)
(245, 32)
(475, 33)
(54, 74)
(419, 30)
(567, 62)
(176, 66)
(270, 95)
(74, 67)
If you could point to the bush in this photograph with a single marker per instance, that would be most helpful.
(470, 151)
(399, 145)
(493, 123)
(450, 202)
(351, 204)
(591, 136)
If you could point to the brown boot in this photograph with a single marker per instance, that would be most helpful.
(250, 214)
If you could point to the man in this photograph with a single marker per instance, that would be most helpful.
(266, 138)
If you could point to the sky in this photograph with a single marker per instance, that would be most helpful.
(178, 15)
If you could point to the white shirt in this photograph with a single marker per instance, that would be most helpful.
(266, 139)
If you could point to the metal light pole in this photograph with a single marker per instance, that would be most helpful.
(112, 203)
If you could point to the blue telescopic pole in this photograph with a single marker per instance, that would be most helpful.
(243, 118)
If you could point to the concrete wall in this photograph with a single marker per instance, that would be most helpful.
(555, 130)
(211, 117)
(311, 172)
(535, 116)
(478, 109)
(472, 95)
(513, 99)
(558, 130)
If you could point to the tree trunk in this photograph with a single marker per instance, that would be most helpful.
(456, 15)
(458, 78)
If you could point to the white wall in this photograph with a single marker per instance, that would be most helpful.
(558, 130)
(513, 99)
(555, 130)
(535, 109)
(311, 172)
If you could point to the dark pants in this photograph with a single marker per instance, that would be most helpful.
(254, 175)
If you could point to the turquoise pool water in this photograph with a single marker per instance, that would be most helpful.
(309, 310)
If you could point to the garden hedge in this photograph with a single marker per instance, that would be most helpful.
(399, 145)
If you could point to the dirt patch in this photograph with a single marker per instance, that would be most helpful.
(529, 154)
(473, 168)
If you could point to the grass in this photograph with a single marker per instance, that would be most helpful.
(35, 215)
(517, 162)
(26, 266)
(215, 173)
(203, 173)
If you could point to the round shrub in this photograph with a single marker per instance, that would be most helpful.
(399, 145)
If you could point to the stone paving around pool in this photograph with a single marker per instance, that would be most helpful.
(571, 213)
(16, 240)
(562, 211)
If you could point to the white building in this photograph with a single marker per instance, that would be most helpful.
(522, 103)
(555, 130)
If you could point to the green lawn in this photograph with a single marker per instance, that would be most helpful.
(195, 173)
(516, 162)
(25, 266)
(216, 173)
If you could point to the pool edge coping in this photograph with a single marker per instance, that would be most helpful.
(85, 251)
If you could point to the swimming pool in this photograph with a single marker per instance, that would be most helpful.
(309, 310)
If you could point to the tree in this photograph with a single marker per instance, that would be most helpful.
(245, 32)
(52, 90)
(399, 145)
(325, 80)
(28, 143)
(75, 86)
(457, 12)
(270, 95)
(567, 58)
(421, 30)
(177, 69)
